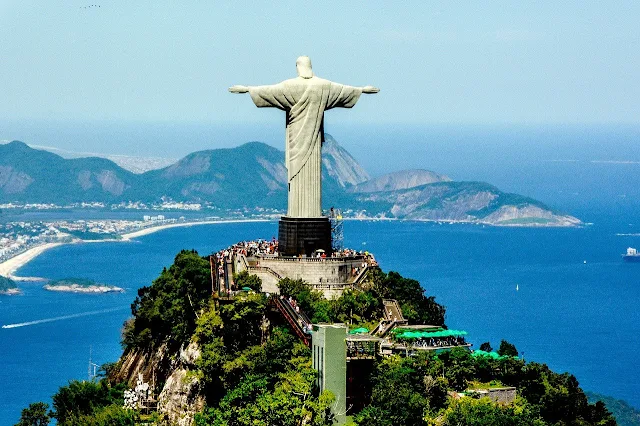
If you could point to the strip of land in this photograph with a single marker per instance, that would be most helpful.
(152, 229)
(10, 266)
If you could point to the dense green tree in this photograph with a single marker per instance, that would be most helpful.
(397, 397)
(37, 414)
(507, 349)
(556, 398)
(482, 412)
(365, 306)
(486, 369)
(243, 321)
(111, 415)
(486, 346)
(167, 310)
(244, 279)
(267, 408)
(416, 307)
(459, 367)
(78, 399)
(275, 388)
(310, 301)
(254, 374)
(625, 414)
(356, 306)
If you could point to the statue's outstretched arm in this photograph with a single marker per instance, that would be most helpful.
(238, 89)
(370, 89)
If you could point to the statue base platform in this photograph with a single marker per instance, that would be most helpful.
(304, 235)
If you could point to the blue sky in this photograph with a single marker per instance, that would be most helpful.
(435, 62)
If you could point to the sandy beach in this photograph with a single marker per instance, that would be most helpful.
(8, 267)
(152, 229)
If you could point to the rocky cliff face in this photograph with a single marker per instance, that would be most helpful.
(13, 181)
(179, 391)
(340, 165)
(180, 398)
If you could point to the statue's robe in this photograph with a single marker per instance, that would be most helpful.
(305, 100)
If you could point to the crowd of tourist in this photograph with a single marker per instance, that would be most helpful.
(246, 248)
(438, 342)
(362, 348)
(300, 317)
(269, 248)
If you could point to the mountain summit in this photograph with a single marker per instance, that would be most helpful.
(253, 175)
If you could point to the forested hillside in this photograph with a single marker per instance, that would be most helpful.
(235, 364)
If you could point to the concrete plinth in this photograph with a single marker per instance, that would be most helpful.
(298, 235)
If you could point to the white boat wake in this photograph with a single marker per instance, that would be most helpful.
(65, 317)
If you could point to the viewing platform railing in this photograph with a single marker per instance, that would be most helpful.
(310, 259)
(264, 269)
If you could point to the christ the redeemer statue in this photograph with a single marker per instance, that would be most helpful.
(305, 99)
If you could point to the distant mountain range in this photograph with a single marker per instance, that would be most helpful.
(254, 175)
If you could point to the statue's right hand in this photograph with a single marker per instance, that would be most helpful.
(238, 89)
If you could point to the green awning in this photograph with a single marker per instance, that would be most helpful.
(360, 330)
(247, 289)
(429, 334)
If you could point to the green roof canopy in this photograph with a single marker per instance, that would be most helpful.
(360, 330)
(428, 335)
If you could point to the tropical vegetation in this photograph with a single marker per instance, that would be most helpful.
(253, 370)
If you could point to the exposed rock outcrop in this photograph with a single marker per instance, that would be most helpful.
(340, 165)
(179, 397)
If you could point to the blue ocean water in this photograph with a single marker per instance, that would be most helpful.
(575, 316)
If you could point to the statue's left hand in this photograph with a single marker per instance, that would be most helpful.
(238, 89)
(370, 89)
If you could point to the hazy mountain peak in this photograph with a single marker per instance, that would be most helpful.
(17, 145)
(254, 175)
(402, 179)
(340, 165)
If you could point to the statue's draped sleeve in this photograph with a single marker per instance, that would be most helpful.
(271, 96)
(342, 96)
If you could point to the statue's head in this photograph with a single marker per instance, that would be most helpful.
(303, 65)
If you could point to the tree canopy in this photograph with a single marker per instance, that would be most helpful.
(252, 370)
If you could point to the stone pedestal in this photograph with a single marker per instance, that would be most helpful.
(298, 235)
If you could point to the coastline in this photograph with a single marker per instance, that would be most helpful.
(10, 266)
(152, 229)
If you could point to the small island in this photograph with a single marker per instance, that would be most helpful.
(8, 286)
(80, 285)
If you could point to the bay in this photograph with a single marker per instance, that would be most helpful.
(575, 316)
